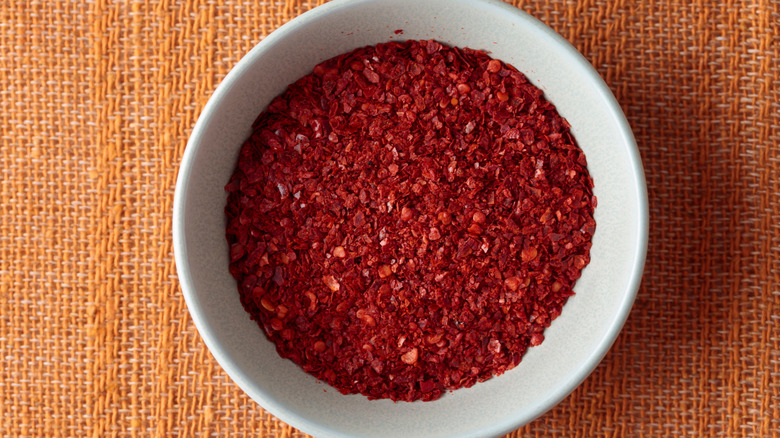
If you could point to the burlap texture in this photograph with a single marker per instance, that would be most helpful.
(97, 100)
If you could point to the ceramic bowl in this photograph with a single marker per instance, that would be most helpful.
(576, 341)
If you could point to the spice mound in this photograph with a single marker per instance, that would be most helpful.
(408, 219)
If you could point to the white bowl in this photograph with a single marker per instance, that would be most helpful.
(576, 341)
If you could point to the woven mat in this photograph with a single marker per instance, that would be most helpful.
(97, 100)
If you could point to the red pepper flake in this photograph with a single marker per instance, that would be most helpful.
(407, 214)
(460, 193)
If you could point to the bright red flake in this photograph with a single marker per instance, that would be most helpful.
(408, 219)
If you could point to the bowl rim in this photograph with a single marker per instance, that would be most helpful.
(195, 307)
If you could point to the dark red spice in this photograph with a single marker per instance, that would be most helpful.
(408, 219)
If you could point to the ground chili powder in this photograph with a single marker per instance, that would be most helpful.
(408, 219)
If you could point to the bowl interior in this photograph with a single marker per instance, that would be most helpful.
(575, 342)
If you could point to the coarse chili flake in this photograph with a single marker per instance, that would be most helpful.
(408, 219)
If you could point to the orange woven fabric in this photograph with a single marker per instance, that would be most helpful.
(97, 100)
